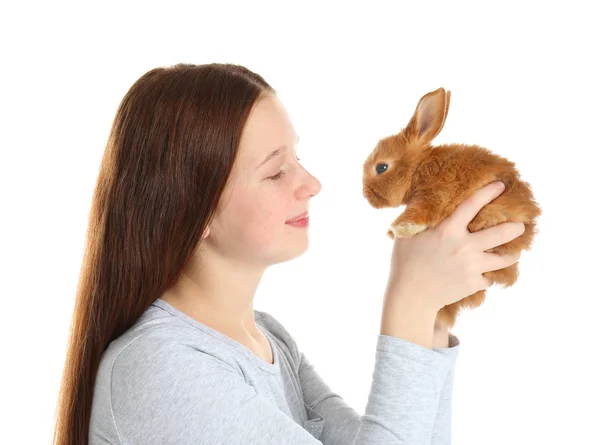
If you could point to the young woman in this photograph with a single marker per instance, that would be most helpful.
(199, 192)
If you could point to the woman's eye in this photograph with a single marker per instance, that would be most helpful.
(281, 172)
(277, 176)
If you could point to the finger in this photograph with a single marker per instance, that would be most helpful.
(470, 207)
(497, 235)
(495, 261)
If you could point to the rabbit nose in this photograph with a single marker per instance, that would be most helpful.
(368, 192)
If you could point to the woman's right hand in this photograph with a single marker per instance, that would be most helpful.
(442, 265)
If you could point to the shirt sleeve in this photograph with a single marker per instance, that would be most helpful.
(409, 401)
(442, 427)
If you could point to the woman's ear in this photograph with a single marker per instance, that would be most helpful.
(206, 232)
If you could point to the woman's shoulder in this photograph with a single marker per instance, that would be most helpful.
(159, 335)
(162, 333)
(161, 355)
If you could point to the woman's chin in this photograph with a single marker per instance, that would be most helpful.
(292, 249)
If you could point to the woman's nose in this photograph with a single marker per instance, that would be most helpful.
(311, 186)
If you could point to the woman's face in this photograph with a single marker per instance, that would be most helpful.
(261, 196)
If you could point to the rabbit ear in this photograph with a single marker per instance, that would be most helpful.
(429, 116)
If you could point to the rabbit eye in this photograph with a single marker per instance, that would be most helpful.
(380, 168)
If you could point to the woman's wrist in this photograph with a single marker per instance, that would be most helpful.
(441, 337)
(409, 320)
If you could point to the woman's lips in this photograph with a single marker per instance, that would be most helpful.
(297, 218)
(299, 223)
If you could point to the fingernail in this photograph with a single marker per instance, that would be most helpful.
(500, 185)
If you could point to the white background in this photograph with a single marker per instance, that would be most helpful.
(524, 82)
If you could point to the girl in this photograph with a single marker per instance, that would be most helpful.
(199, 192)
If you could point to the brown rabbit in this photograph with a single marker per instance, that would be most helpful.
(405, 169)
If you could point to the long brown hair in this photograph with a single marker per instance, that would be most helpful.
(170, 151)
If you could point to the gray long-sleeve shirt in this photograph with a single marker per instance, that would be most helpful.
(170, 379)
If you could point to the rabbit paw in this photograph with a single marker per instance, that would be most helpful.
(405, 229)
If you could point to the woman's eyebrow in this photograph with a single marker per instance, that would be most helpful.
(271, 156)
(274, 154)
